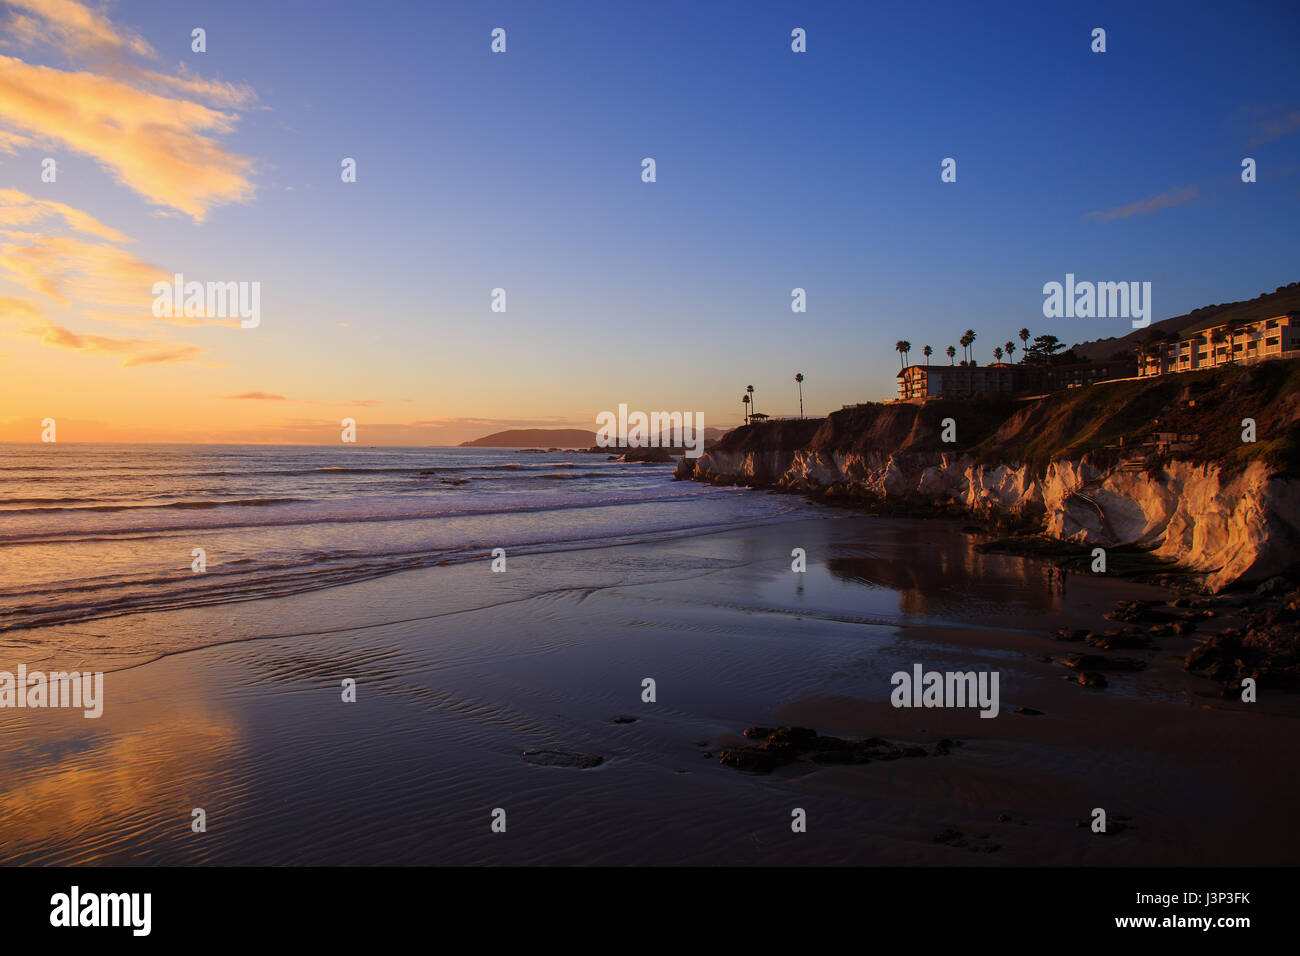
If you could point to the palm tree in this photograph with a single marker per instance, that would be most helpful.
(798, 377)
(966, 341)
(902, 347)
(1217, 338)
(1233, 328)
(1024, 349)
(1155, 341)
(927, 352)
(745, 399)
(1011, 350)
(750, 390)
(997, 352)
(952, 353)
(970, 336)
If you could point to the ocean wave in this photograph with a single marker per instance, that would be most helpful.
(49, 501)
(60, 605)
(690, 491)
(181, 505)
(154, 471)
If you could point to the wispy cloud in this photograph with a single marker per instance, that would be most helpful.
(1269, 128)
(19, 209)
(272, 397)
(258, 397)
(71, 26)
(64, 268)
(506, 422)
(12, 309)
(11, 142)
(28, 319)
(156, 131)
(134, 352)
(104, 282)
(1166, 200)
(158, 146)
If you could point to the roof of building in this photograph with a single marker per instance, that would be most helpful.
(953, 368)
(1031, 366)
(1209, 325)
(1072, 366)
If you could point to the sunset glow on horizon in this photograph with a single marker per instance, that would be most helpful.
(478, 171)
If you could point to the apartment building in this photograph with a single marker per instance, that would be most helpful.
(919, 382)
(1274, 338)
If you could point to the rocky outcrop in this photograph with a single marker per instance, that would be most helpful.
(1230, 522)
(1266, 647)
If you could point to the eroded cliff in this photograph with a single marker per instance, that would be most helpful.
(1160, 464)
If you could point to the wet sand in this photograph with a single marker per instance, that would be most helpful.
(459, 671)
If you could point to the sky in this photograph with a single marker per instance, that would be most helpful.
(522, 170)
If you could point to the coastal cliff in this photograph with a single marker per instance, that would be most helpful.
(1157, 464)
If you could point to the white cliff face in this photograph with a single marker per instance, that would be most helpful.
(1241, 527)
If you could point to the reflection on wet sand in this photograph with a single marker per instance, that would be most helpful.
(470, 672)
(947, 570)
(132, 776)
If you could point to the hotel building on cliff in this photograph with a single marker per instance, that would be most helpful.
(916, 383)
(1243, 343)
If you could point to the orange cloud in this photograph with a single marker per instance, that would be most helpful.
(10, 143)
(135, 351)
(156, 131)
(19, 209)
(156, 145)
(270, 397)
(70, 26)
(142, 315)
(259, 396)
(75, 273)
(11, 309)
(64, 268)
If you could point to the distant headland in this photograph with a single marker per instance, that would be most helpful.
(532, 437)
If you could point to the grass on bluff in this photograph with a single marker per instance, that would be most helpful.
(1087, 420)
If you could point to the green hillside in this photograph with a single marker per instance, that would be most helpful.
(1113, 420)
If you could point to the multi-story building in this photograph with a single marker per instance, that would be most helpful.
(1240, 342)
(919, 382)
(1051, 378)
(1243, 343)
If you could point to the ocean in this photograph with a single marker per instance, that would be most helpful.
(96, 531)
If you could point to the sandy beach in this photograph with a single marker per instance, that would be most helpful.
(460, 671)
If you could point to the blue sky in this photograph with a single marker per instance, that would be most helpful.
(775, 170)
